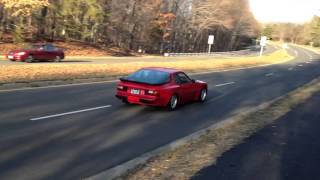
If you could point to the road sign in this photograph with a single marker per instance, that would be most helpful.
(211, 39)
(285, 46)
(210, 42)
(263, 41)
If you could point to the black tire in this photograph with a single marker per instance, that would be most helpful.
(126, 102)
(30, 59)
(58, 59)
(203, 95)
(173, 103)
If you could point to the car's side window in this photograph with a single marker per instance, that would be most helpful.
(177, 79)
(182, 78)
(49, 48)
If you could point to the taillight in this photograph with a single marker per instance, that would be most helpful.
(21, 53)
(152, 92)
(121, 88)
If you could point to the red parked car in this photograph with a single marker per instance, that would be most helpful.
(160, 87)
(37, 52)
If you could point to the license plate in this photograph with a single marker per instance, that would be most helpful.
(133, 99)
(10, 57)
(135, 91)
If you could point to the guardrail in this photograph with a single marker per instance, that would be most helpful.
(251, 48)
(189, 54)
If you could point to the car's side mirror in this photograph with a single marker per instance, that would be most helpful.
(193, 81)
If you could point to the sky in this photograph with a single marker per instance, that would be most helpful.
(295, 11)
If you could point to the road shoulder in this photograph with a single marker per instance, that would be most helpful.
(286, 149)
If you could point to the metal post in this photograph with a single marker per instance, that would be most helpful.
(209, 51)
(261, 51)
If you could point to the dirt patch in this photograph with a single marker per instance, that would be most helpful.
(49, 72)
(185, 161)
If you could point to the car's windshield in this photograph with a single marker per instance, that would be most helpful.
(147, 76)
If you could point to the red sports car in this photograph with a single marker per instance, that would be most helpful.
(160, 87)
(39, 52)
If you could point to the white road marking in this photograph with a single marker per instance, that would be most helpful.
(69, 113)
(57, 86)
(216, 98)
(225, 84)
(300, 65)
(307, 53)
(290, 69)
(296, 52)
(270, 74)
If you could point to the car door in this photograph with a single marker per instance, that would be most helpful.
(38, 52)
(186, 90)
(49, 52)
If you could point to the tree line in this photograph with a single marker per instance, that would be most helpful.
(307, 33)
(153, 25)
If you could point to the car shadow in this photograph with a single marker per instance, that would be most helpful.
(211, 96)
(68, 61)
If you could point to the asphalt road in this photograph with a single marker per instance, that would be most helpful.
(116, 60)
(286, 150)
(77, 131)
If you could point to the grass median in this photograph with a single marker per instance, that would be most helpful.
(51, 72)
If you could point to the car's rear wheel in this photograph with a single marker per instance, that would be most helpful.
(203, 95)
(125, 101)
(173, 103)
(58, 59)
(30, 59)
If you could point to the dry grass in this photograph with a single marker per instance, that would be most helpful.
(187, 160)
(41, 72)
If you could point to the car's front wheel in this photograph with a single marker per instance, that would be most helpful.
(173, 103)
(203, 95)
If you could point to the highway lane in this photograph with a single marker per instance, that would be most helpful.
(85, 143)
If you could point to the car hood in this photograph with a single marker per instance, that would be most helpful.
(202, 82)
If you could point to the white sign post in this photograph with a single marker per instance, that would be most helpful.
(285, 46)
(210, 42)
(263, 43)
